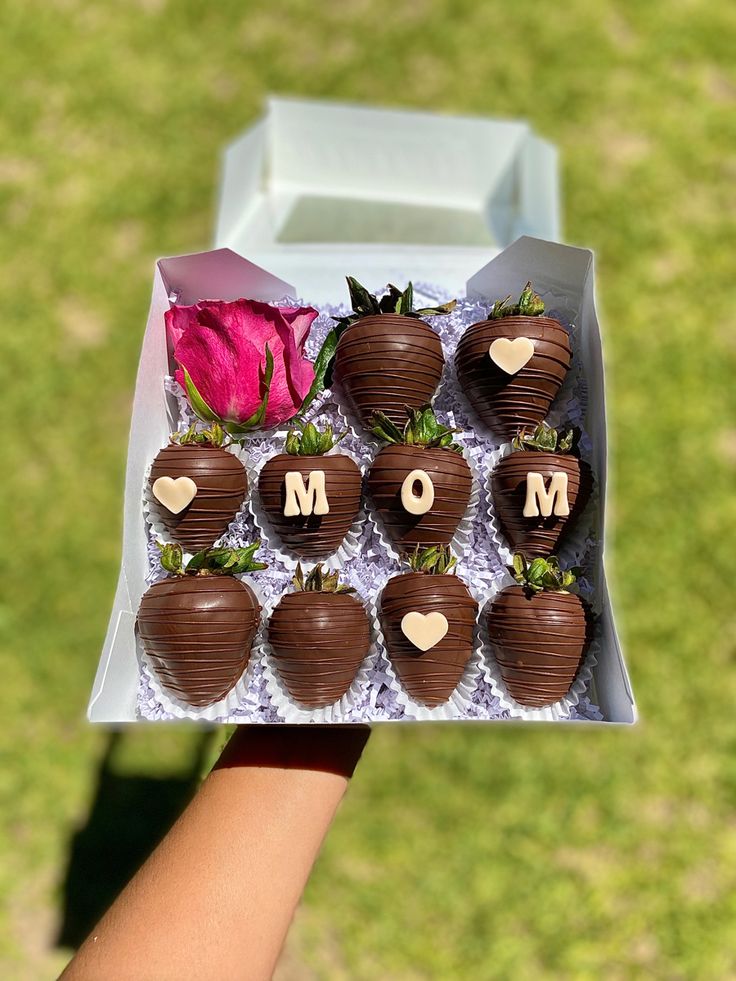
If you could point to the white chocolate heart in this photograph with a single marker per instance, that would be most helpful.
(424, 630)
(511, 355)
(175, 495)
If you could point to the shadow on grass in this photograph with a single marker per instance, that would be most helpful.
(129, 815)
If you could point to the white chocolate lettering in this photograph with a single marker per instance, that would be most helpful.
(541, 500)
(311, 499)
(417, 503)
(511, 355)
(424, 630)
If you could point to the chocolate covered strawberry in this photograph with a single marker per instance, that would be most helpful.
(319, 635)
(420, 483)
(539, 632)
(511, 366)
(199, 486)
(539, 490)
(428, 619)
(198, 625)
(387, 357)
(311, 496)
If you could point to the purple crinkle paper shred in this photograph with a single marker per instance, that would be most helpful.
(480, 565)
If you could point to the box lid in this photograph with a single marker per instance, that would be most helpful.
(314, 190)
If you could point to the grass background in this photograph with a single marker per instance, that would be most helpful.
(489, 852)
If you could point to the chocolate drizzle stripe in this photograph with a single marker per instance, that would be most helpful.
(540, 535)
(387, 362)
(221, 482)
(197, 633)
(507, 402)
(431, 676)
(452, 481)
(319, 641)
(314, 535)
(539, 641)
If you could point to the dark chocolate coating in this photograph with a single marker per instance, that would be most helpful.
(388, 362)
(315, 535)
(429, 676)
(537, 536)
(318, 641)
(198, 631)
(452, 480)
(505, 402)
(539, 640)
(222, 484)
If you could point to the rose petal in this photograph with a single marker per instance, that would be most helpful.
(225, 368)
(300, 320)
(222, 345)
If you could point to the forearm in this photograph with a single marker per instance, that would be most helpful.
(216, 897)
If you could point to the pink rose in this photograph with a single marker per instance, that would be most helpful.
(222, 347)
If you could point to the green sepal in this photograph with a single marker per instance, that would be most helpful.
(197, 561)
(405, 302)
(307, 440)
(422, 429)
(529, 304)
(543, 574)
(319, 580)
(543, 438)
(198, 404)
(323, 366)
(565, 444)
(172, 557)
(385, 429)
(437, 560)
(366, 304)
(256, 420)
(214, 435)
(310, 440)
(225, 561)
(442, 309)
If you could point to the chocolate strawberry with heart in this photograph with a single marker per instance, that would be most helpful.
(319, 635)
(539, 490)
(311, 496)
(512, 365)
(539, 632)
(198, 485)
(428, 620)
(198, 625)
(386, 357)
(420, 483)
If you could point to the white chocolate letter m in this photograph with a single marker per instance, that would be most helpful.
(540, 500)
(311, 499)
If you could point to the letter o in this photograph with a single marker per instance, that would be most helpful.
(421, 503)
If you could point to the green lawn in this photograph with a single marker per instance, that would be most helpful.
(488, 852)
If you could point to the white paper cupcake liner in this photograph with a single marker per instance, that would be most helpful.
(463, 534)
(334, 561)
(549, 713)
(238, 696)
(154, 511)
(345, 709)
(577, 539)
(460, 703)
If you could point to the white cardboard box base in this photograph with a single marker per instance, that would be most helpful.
(223, 274)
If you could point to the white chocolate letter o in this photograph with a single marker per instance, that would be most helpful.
(417, 503)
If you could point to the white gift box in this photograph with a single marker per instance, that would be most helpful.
(559, 269)
(314, 190)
